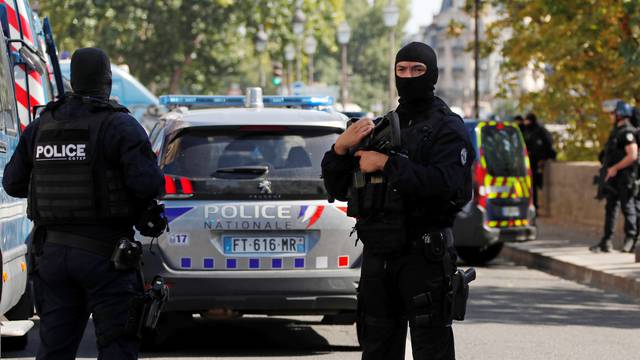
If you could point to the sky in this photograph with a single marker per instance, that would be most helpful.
(422, 13)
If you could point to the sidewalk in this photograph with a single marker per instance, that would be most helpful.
(563, 251)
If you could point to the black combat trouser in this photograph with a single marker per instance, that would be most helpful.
(614, 201)
(536, 186)
(389, 296)
(70, 284)
(636, 202)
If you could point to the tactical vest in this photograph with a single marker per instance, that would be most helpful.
(71, 181)
(417, 140)
(382, 211)
(615, 152)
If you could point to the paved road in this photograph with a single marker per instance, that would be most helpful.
(515, 313)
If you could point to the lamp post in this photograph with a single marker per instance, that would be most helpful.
(344, 34)
(289, 55)
(390, 15)
(310, 46)
(298, 28)
(261, 46)
(476, 60)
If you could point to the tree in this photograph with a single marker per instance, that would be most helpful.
(587, 51)
(186, 46)
(367, 52)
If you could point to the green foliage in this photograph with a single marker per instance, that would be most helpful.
(368, 52)
(203, 46)
(188, 46)
(587, 51)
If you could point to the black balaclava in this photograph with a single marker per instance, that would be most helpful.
(416, 94)
(91, 73)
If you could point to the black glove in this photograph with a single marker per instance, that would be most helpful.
(152, 222)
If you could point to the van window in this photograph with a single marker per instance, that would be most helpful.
(9, 121)
(234, 161)
(503, 151)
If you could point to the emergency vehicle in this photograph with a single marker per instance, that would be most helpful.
(502, 209)
(251, 230)
(26, 83)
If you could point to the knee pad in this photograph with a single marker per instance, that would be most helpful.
(422, 310)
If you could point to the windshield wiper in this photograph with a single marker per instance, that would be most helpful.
(243, 170)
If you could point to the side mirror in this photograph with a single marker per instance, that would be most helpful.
(28, 56)
(4, 19)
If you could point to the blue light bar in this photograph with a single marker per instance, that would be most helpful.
(209, 101)
(302, 101)
(202, 101)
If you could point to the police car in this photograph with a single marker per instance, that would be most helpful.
(251, 230)
(502, 209)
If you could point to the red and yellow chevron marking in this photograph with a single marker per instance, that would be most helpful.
(508, 223)
(501, 187)
(506, 187)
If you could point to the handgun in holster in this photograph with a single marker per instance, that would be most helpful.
(459, 292)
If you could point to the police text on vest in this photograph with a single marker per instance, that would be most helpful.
(68, 152)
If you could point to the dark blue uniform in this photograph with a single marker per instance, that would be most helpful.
(623, 183)
(73, 282)
(412, 285)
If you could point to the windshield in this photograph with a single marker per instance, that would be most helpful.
(243, 162)
(503, 151)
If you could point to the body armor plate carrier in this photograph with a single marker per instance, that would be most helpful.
(71, 182)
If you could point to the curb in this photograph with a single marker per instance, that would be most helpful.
(600, 279)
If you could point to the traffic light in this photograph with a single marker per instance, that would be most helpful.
(277, 72)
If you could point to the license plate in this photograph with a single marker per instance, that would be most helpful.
(511, 211)
(267, 245)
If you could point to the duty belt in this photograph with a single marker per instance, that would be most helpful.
(81, 242)
(419, 243)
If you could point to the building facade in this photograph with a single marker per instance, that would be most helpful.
(456, 64)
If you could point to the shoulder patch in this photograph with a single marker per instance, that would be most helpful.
(630, 137)
(463, 156)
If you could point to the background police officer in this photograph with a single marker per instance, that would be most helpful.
(540, 149)
(635, 122)
(88, 170)
(620, 158)
(408, 243)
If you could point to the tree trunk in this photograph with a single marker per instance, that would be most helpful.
(176, 77)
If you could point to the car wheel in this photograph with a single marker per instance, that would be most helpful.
(477, 255)
(346, 318)
(15, 343)
(23, 310)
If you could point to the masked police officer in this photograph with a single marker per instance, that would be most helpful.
(619, 159)
(405, 211)
(88, 171)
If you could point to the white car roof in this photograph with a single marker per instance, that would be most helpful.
(181, 118)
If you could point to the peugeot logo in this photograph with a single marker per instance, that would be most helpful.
(265, 187)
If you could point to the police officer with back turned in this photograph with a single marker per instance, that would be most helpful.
(88, 171)
(405, 201)
(619, 170)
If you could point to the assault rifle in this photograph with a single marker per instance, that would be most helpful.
(385, 138)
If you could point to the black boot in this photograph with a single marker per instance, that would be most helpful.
(603, 246)
(629, 245)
